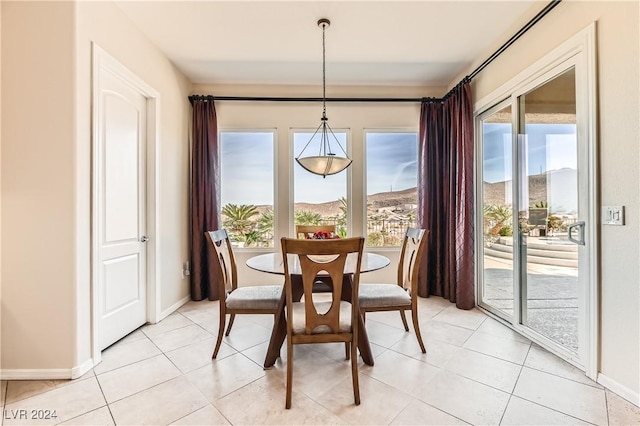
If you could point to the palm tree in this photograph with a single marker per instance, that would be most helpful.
(237, 219)
(266, 220)
(342, 218)
(265, 228)
(499, 216)
(306, 217)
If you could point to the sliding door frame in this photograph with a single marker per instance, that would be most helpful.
(579, 52)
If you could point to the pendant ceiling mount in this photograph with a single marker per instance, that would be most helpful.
(326, 162)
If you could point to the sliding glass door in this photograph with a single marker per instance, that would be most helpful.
(550, 226)
(535, 168)
(497, 209)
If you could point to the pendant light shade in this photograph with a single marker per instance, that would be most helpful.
(326, 162)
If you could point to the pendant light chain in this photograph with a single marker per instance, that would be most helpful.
(326, 162)
(324, 74)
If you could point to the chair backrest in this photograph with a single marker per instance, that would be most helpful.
(329, 258)
(307, 231)
(226, 262)
(414, 247)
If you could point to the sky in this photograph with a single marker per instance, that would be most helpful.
(391, 162)
(247, 164)
(549, 147)
(246, 167)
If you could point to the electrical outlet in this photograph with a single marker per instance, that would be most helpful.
(613, 215)
(185, 269)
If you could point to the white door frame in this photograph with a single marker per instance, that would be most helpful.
(581, 49)
(103, 62)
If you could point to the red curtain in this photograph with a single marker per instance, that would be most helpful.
(445, 196)
(205, 198)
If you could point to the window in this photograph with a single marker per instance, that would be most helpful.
(391, 182)
(318, 200)
(247, 187)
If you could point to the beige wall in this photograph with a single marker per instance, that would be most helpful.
(286, 116)
(38, 182)
(46, 315)
(618, 99)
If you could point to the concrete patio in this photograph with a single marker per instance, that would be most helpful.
(551, 288)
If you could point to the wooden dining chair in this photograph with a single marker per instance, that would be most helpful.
(321, 285)
(307, 231)
(322, 322)
(402, 296)
(233, 299)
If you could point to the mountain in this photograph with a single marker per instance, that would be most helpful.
(559, 188)
(374, 201)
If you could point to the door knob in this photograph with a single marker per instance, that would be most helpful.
(144, 239)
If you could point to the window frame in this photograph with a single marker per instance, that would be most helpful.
(274, 133)
(349, 178)
(365, 167)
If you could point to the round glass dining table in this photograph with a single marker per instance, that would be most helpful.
(272, 263)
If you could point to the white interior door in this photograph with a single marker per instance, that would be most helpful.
(120, 202)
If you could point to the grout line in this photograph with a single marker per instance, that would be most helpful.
(554, 410)
(536, 403)
(441, 410)
(497, 357)
(565, 378)
(143, 390)
(105, 399)
(130, 364)
(606, 406)
(514, 385)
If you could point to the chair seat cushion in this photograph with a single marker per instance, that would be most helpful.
(255, 297)
(382, 295)
(298, 314)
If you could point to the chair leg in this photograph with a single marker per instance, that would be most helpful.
(404, 321)
(231, 318)
(347, 351)
(416, 327)
(223, 317)
(275, 318)
(289, 373)
(354, 372)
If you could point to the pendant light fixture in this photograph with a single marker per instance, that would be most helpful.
(326, 162)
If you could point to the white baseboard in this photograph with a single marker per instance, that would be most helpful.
(171, 309)
(81, 369)
(621, 390)
(46, 373)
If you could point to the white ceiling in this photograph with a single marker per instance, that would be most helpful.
(417, 43)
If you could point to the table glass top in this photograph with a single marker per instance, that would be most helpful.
(272, 263)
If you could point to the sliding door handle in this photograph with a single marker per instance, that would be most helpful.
(579, 226)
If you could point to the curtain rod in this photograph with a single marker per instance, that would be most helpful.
(516, 36)
(287, 99)
(468, 78)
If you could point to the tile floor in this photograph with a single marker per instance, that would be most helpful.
(476, 371)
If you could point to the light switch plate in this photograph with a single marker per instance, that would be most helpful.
(613, 215)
